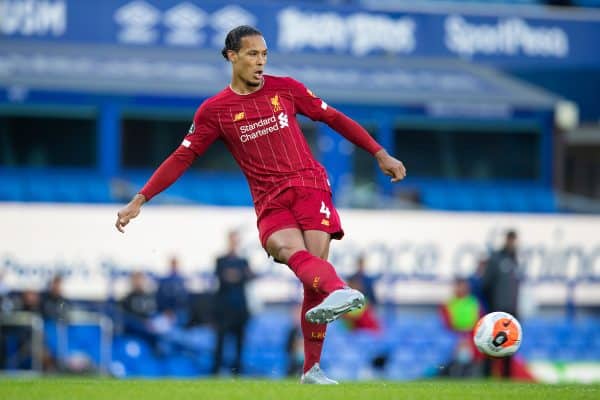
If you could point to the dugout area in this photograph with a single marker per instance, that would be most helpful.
(89, 124)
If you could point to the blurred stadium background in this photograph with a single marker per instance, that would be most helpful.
(492, 105)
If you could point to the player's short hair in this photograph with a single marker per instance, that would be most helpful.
(233, 40)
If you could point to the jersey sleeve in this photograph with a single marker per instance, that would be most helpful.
(203, 132)
(307, 103)
(316, 109)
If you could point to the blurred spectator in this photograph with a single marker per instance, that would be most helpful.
(16, 340)
(201, 309)
(231, 308)
(172, 296)
(138, 306)
(139, 302)
(500, 286)
(30, 301)
(363, 282)
(364, 318)
(54, 305)
(295, 344)
(475, 281)
(6, 303)
(460, 315)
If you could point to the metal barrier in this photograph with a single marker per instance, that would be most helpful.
(33, 321)
(73, 318)
(76, 317)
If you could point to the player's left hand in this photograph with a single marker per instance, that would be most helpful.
(390, 165)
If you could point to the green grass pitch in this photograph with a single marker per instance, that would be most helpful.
(215, 389)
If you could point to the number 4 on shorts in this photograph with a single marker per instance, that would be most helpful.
(325, 210)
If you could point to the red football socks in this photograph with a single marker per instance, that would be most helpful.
(315, 273)
(318, 278)
(313, 334)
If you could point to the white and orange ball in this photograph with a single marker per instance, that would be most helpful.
(498, 334)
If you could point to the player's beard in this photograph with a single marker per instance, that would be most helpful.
(254, 84)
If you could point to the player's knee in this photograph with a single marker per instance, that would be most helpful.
(283, 244)
(283, 251)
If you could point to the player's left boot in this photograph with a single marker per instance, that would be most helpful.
(338, 303)
(316, 376)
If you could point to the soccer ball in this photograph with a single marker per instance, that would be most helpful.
(498, 334)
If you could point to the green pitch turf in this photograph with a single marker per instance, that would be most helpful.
(215, 389)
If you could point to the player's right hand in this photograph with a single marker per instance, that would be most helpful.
(129, 212)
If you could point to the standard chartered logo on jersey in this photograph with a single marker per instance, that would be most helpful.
(359, 33)
(511, 37)
(263, 127)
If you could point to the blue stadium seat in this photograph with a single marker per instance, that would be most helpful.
(200, 338)
(515, 200)
(460, 199)
(85, 339)
(136, 357)
(272, 364)
(435, 198)
(181, 366)
(40, 190)
(490, 200)
(51, 336)
(96, 190)
(61, 186)
(543, 200)
(399, 370)
(11, 189)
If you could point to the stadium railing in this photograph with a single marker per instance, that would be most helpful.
(32, 322)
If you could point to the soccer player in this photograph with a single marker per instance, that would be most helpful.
(255, 116)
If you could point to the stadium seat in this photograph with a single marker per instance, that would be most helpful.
(11, 189)
(435, 198)
(543, 200)
(136, 357)
(515, 200)
(85, 339)
(461, 199)
(258, 362)
(181, 366)
(491, 200)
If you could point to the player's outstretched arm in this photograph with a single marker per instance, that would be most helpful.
(164, 176)
(129, 212)
(390, 165)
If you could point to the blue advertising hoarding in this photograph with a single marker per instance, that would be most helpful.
(548, 37)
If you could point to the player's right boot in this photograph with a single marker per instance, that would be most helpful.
(338, 303)
(316, 376)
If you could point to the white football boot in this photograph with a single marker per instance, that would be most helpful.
(316, 376)
(338, 303)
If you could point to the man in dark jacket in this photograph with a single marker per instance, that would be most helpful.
(500, 286)
(231, 308)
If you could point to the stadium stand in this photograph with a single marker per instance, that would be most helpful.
(415, 346)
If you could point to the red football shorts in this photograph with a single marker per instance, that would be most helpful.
(299, 207)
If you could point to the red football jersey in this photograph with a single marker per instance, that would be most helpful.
(262, 133)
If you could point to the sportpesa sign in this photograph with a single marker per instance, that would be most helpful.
(514, 36)
(510, 37)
